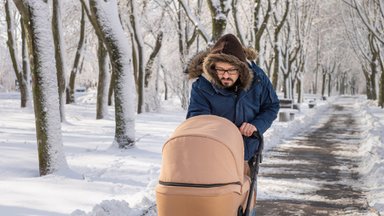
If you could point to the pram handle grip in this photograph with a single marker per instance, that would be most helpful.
(254, 166)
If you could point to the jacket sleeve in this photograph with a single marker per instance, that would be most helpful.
(198, 104)
(269, 104)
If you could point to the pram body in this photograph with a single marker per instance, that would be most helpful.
(203, 170)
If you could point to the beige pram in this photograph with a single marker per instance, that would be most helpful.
(203, 171)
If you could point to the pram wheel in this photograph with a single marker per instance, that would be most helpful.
(240, 211)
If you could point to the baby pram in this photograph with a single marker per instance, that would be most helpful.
(203, 171)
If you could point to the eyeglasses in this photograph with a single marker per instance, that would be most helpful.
(231, 71)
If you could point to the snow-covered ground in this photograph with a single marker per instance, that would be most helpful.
(122, 182)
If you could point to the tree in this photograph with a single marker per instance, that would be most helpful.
(327, 71)
(187, 34)
(59, 54)
(199, 27)
(374, 66)
(236, 19)
(219, 13)
(25, 88)
(103, 81)
(140, 56)
(105, 84)
(302, 22)
(366, 42)
(278, 24)
(45, 94)
(289, 54)
(151, 59)
(259, 26)
(371, 15)
(106, 20)
(22, 74)
(70, 90)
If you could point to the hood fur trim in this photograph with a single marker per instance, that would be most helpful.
(203, 63)
(195, 65)
(245, 73)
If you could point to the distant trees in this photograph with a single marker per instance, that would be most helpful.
(366, 34)
(142, 47)
(282, 31)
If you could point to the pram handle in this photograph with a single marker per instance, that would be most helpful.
(259, 152)
(254, 168)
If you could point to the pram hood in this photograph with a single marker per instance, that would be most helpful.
(204, 150)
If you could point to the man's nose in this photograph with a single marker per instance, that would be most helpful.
(226, 75)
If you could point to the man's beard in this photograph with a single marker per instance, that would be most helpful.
(225, 84)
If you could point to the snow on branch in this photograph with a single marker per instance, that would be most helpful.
(195, 20)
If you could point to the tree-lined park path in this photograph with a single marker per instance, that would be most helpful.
(316, 172)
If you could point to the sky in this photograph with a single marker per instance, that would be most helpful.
(105, 179)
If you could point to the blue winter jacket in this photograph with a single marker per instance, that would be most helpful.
(257, 105)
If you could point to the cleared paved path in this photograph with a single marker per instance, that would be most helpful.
(315, 172)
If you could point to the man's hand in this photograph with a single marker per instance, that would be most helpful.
(247, 129)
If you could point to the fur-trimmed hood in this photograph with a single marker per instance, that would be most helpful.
(203, 63)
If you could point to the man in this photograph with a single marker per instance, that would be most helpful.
(233, 87)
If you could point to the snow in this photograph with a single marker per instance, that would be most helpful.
(373, 167)
(122, 182)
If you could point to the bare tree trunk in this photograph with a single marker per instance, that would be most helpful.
(373, 77)
(276, 66)
(140, 52)
(237, 21)
(76, 64)
(135, 58)
(102, 87)
(165, 82)
(299, 91)
(324, 76)
(381, 90)
(124, 84)
(22, 76)
(185, 41)
(46, 104)
(276, 48)
(219, 14)
(285, 87)
(149, 65)
(111, 89)
(59, 54)
(381, 86)
(259, 26)
(183, 50)
(165, 90)
(317, 68)
(374, 63)
(368, 82)
(25, 87)
(329, 85)
(92, 20)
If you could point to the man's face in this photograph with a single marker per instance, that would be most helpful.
(227, 73)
